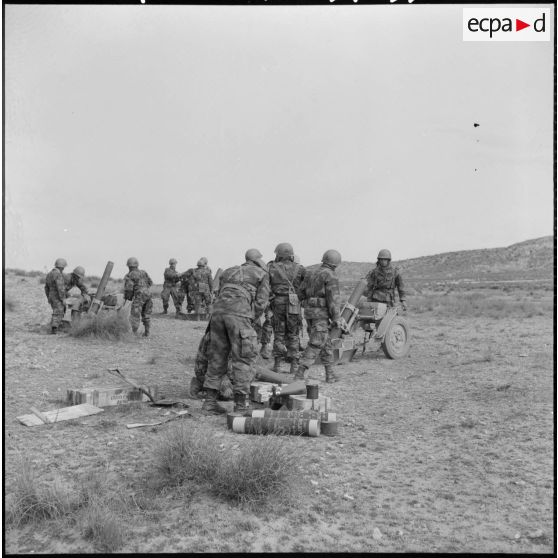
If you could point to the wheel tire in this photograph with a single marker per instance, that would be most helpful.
(397, 340)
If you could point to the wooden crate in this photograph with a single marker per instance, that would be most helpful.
(107, 396)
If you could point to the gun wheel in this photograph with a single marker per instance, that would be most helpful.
(397, 340)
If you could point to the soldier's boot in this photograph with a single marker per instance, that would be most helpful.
(242, 403)
(331, 378)
(294, 366)
(165, 309)
(147, 328)
(301, 372)
(277, 364)
(266, 351)
(135, 330)
(210, 404)
(196, 388)
(53, 330)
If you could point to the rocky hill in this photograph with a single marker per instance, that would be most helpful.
(532, 259)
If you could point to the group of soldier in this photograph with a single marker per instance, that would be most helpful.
(253, 301)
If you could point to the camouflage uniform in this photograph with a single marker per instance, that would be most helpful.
(285, 278)
(264, 332)
(382, 282)
(200, 288)
(185, 279)
(136, 289)
(55, 291)
(170, 289)
(319, 294)
(72, 280)
(243, 296)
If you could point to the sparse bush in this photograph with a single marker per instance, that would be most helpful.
(262, 469)
(106, 325)
(100, 525)
(9, 304)
(30, 501)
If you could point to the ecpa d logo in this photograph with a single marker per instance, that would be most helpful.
(506, 24)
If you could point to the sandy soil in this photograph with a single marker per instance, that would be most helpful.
(447, 450)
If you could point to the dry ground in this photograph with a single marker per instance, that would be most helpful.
(448, 450)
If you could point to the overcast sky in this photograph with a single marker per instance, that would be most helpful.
(189, 131)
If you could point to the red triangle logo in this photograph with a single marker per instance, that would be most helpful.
(519, 25)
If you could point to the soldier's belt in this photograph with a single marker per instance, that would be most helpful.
(318, 302)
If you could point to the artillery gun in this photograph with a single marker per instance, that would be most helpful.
(383, 328)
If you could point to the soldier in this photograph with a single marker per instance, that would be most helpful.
(136, 289)
(185, 279)
(319, 294)
(170, 287)
(383, 280)
(55, 291)
(285, 278)
(200, 286)
(75, 279)
(243, 297)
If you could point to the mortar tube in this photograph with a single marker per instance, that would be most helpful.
(96, 304)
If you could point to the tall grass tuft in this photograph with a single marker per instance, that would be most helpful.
(263, 470)
(100, 525)
(105, 325)
(30, 501)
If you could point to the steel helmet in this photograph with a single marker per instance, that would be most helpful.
(79, 271)
(384, 254)
(60, 262)
(172, 261)
(132, 262)
(331, 257)
(284, 250)
(254, 255)
(202, 261)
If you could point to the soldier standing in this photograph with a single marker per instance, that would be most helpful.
(171, 279)
(383, 280)
(185, 279)
(55, 291)
(200, 286)
(285, 278)
(243, 297)
(319, 294)
(136, 288)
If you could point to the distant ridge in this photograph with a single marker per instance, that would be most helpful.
(531, 259)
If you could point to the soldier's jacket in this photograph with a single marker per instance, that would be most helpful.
(382, 282)
(281, 273)
(72, 281)
(185, 279)
(55, 285)
(319, 293)
(136, 284)
(171, 277)
(200, 280)
(243, 291)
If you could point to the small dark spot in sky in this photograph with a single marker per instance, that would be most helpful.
(476, 124)
(475, 170)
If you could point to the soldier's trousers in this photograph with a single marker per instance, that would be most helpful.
(201, 302)
(264, 332)
(168, 292)
(142, 305)
(234, 335)
(318, 344)
(286, 330)
(58, 310)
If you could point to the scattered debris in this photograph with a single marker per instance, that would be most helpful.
(376, 534)
(59, 415)
(538, 534)
(348, 497)
(140, 424)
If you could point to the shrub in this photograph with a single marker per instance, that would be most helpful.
(31, 501)
(99, 525)
(105, 325)
(9, 304)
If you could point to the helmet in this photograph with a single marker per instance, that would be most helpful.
(60, 262)
(331, 257)
(172, 261)
(384, 254)
(284, 250)
(296, 259)
(132, 262)
(202, 261)
(79, 271)
(254, 255)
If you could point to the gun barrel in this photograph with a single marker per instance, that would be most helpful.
(96, 304)
(353, 300)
